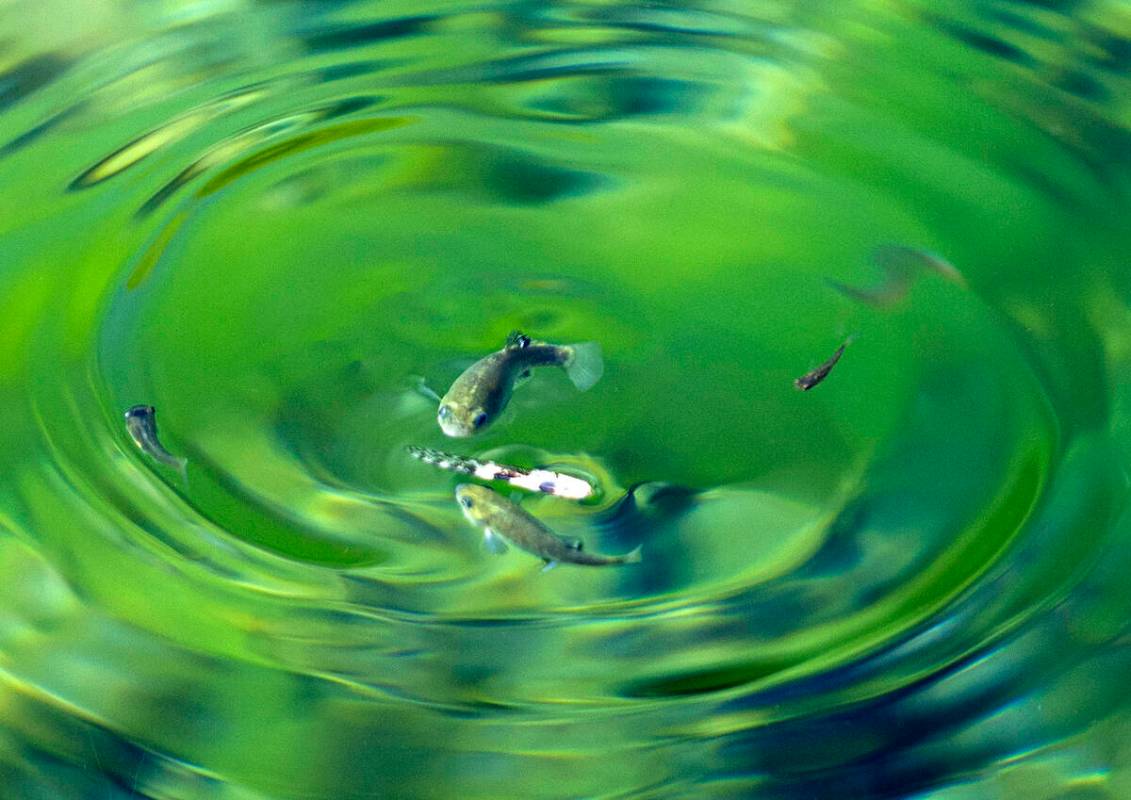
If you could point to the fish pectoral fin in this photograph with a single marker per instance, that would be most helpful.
(493, 542)
(419, 384)
(550, 564)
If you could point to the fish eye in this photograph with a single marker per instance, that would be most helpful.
(480, 418)
(466, 502)
(445, 412)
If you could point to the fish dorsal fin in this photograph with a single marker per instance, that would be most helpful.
(516, 340)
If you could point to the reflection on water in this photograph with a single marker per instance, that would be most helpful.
(276, 222)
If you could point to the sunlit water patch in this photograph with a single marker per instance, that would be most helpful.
(285, 225)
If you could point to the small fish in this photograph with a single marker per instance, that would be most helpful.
(901, 265)
(501, 519)
(534, 480)
(141, 424)
(480, 394)
(887, 295)
(900, 259)
(815, 376)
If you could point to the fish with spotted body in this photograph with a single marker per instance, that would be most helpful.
(532, 480)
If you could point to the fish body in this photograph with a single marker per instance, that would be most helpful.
(498, 517)
(533, 480)
(901, 265)
(815, 376)
(900, 260)
(141, 424)
(887, 295)
(480, 394)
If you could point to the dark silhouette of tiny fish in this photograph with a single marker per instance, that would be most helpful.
(533, 480)
(901, 265)
(815, 376)
(141, 424)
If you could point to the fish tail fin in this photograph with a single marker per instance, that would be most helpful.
(634, 556)
(585, 365)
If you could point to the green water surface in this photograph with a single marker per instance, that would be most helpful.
(276, 221)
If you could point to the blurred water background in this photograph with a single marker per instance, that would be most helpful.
(273, 219)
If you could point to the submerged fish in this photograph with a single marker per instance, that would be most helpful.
(901, 265)
(141, 424)
(501, 519)
(898, 258)
(534, 480)
(815, 376)
(480, 394)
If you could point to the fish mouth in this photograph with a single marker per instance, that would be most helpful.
(452, 428)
